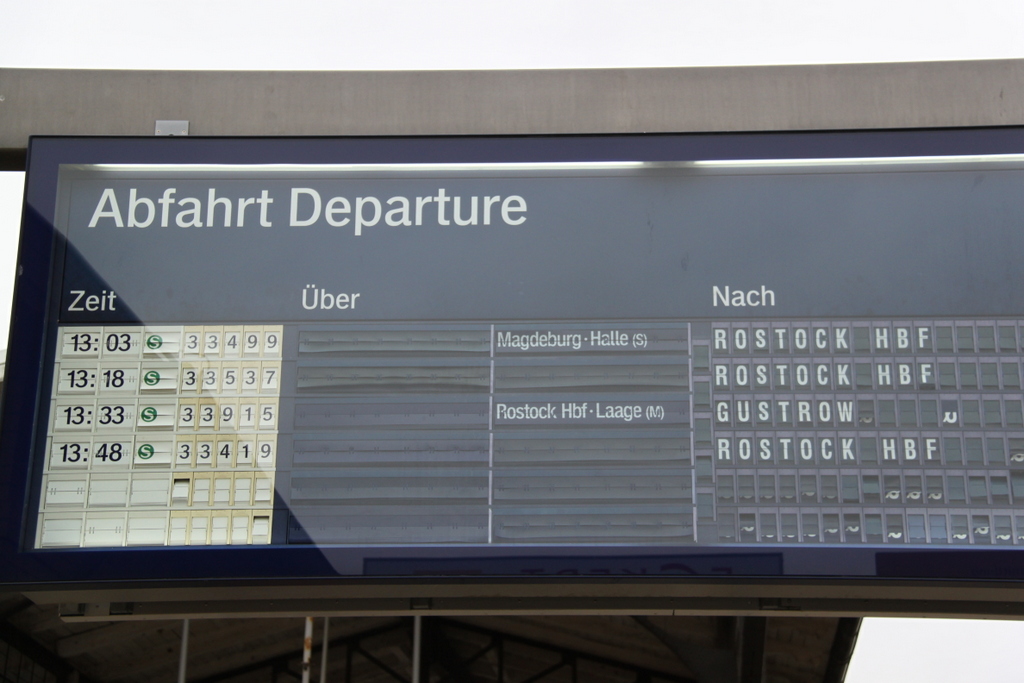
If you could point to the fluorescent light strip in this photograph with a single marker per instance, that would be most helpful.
(574, 165)
(859, 161)
(527, 166)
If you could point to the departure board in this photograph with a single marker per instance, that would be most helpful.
(445, 356)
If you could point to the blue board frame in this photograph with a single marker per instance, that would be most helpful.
(33, 328)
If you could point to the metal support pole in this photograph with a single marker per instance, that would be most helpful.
(183, 659)
(323, 653)
(753, 632)
(307, 649)
(501, 660)
(417, 643)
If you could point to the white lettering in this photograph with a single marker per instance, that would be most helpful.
(337, 205)
(442, 199)
(165, 202)
(400, 216)
(723, 450)
(457, 212)
(924, 338)
(264, 201)
(488, 202)
(821, 338)
(841, 342)
(107, 198)
(926, 373)
(881, 338)
(848, 449)
(826, 449)
(737, 297)
(888, 449)
(212, 201)
(133, 204)
(800, 338)
(314, 216)
(243, 202)
(513, 204)
(743, 447)
(806, 449)
(190, 218)
(902, 338)
(909, 449)
(785, 447)
(361, 203)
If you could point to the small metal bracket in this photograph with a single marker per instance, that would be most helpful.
(171, 128)
(84, 609)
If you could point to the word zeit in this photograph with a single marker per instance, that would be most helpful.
(306, 208)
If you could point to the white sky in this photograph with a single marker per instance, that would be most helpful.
(11, 185)
(485, 34)
(937, 651)
(481, 34)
